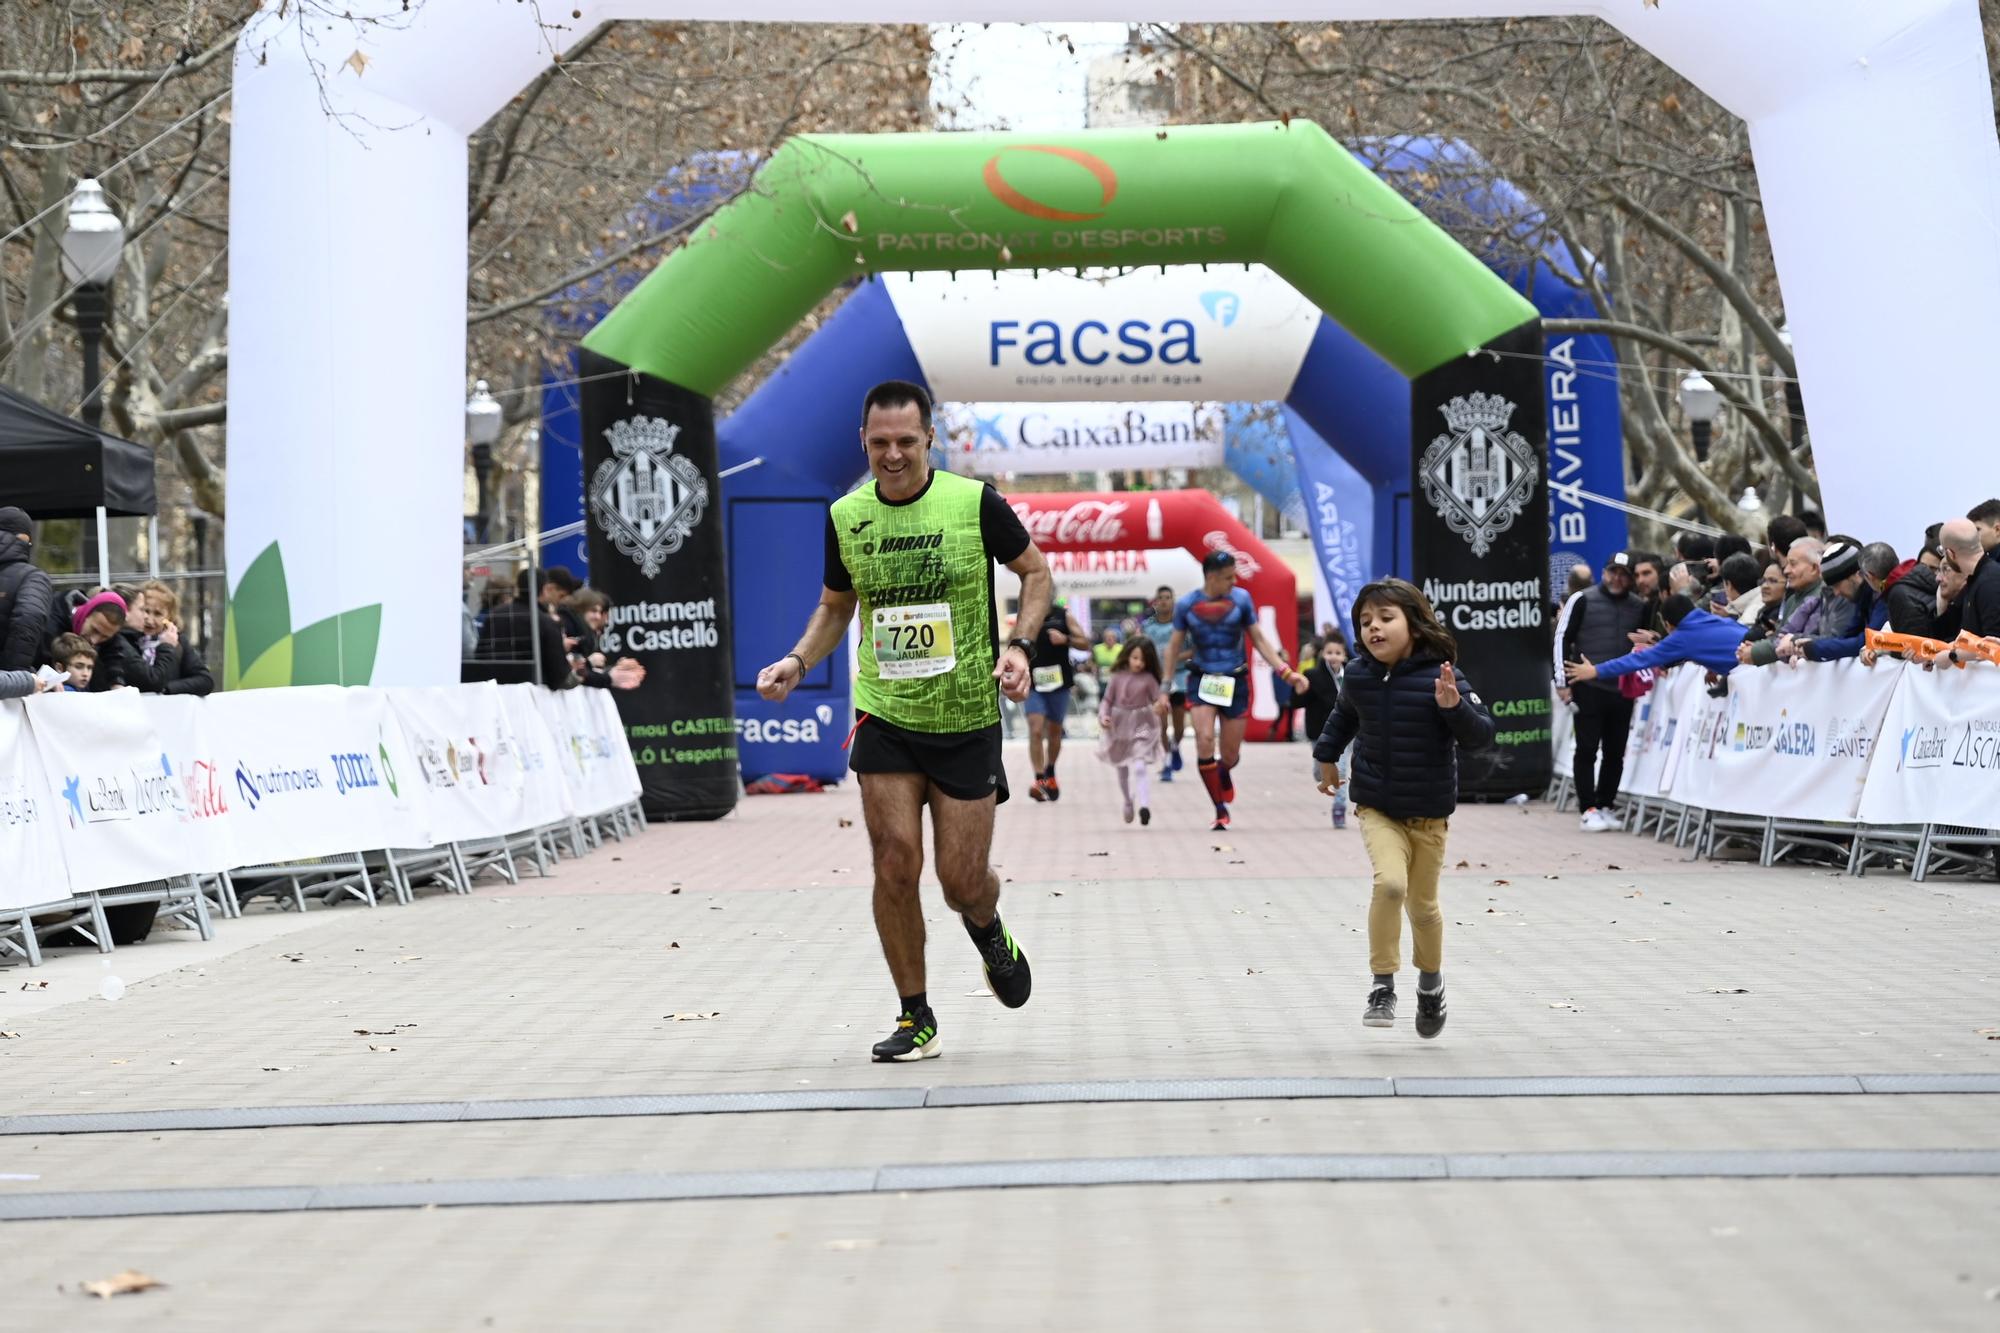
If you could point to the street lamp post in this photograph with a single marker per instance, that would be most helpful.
(1702, 403)
(91, 245)
(92, 242)
(482, 427)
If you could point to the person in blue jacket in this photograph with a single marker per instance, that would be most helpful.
(1694, 635)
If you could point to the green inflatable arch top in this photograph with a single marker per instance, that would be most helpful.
(827, 208)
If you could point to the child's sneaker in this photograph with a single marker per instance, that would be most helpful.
(1430, 1011)
(1381, 1008)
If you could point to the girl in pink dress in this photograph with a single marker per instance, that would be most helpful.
(1129, 729)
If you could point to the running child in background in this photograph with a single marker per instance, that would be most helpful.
(1407, 711)
(1215, 623)
(1322, 694)
(1128, 725)
(1159, 627)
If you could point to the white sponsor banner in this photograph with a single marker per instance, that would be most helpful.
(597, 760)
(118, 805)
(1222, 334)
(1790, 741)
(466, 761)
(205, 779)
(1656, 723)
(32, 869)
(1112, 573)
(621, 781)
(989, 439)
(1940, 759)
(314, 771)
(546, 797)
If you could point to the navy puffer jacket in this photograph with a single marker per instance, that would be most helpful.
(1406, 747)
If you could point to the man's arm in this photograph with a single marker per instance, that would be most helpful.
(1038, 591)
(824, 630)
(1172, 657)
(1263, 644)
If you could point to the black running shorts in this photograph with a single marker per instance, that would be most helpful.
(965, 765)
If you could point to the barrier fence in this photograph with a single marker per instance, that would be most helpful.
(311, 791)
(1895, 762)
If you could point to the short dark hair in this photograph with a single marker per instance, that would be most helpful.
(1426, 630)
(1931, 537)
(562, 578)
(1878, 559)
(1813, 519)
(1741, 572)
(1731, 543)
(1648, 558)
(1784, 530)
(67, 646)
(1163, 588)
(1218, 559)
(1986, 511)
(1695, 546)
(897, 393)
(1674, 608)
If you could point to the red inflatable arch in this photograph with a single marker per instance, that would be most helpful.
(1194, 521)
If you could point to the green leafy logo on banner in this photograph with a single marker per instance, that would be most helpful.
(264, 650)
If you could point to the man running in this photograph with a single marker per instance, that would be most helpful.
(1159, 627)
(1052, 674)
(1218, 617)
(914, 550)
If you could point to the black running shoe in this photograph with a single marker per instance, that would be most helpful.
(915, 1038)
(1430, 1011)
(1007, 974)
(1145, 816)
(1381, 1008)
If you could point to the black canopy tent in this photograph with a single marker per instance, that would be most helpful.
(55, 466)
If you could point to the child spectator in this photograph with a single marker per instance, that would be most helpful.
(73, 653)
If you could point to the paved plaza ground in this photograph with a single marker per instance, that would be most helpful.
(1671, 1095)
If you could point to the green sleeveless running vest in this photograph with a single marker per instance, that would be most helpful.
(916, 567)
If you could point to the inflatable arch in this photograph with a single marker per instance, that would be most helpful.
(1873, 119)
(1467, 345)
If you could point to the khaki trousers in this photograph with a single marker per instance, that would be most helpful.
(1408, 855)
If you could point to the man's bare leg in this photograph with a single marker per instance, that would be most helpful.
(892, 807)
(963, 831)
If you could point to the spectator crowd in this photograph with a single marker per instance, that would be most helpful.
(1725, 605)
(551, 620)
(87, 642)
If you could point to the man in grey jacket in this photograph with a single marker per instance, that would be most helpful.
(1811, 609)
(1599, 624)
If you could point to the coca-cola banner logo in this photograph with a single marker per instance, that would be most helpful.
(1084, 523)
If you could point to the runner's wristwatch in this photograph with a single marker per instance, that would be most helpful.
(1027, 647)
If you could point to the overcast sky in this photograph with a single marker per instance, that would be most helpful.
(1016, 76)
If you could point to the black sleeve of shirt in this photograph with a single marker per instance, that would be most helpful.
(837, 577)
(1000, 528)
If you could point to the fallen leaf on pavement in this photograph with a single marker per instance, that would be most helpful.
(8, 1036)
(293, 957)
(1222, 847)
(411, 958)
(847, 823)
(1725, 990)
(675, 945)
(1551, 876)
(852, 1244)
(1463, 865)
(373, 1047)
(1100, 853)
(695, 1017)
(121, 1284)
(1503, 881)
(1614, 867)
(1562, 1004)
(1991, 1034)
(279, 1069)
(1253, 971)
(676, 888)
(34, 985)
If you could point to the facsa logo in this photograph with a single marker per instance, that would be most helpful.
(1044, 342)
(1222, 307)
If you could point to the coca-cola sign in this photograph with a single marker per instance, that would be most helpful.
(1082, 523)
(1247, 565)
